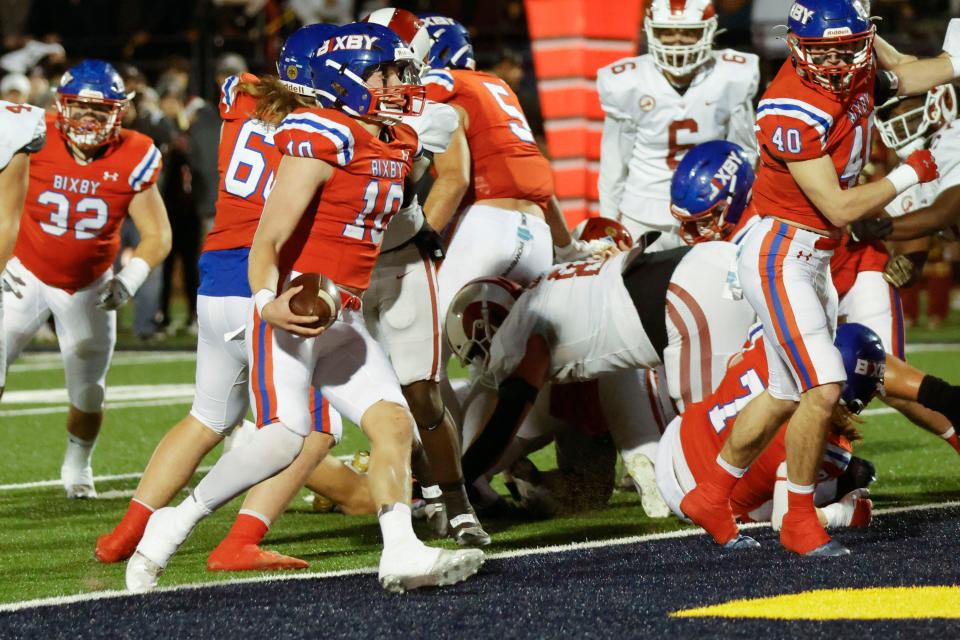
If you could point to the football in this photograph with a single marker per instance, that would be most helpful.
(319, 297)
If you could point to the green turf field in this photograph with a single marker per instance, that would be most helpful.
(47, 541)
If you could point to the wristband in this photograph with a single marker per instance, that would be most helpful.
(262, 298)
(903, 177)
(134, 274)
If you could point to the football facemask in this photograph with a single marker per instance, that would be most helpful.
(89, 122)
(900, 132)
(680, 40)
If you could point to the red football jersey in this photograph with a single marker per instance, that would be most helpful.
(340, 237)
(798, 122)
(505, 161)
(704, 428)
(70, 232)
(247, 165)
(850, 258)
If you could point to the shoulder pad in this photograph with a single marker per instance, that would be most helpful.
(441, 85)
(323, 134)
(22, 128)
(435, 126)
(616, 86)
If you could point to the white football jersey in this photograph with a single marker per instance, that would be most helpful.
(649, 126)
(21, 127)
(434, 127)
(945, 147)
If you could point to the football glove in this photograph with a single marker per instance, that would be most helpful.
(871, 229)
(923, 162)
(430, 242)
(581, 250)
(113, 295)
(904, 270)
(12, 280)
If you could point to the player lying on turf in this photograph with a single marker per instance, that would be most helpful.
(346, 152)
(693, 440)
(85, 181)
(857, 271)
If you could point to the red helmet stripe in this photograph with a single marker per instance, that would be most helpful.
(677, 7)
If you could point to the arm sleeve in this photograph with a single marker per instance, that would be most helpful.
(310, 135)
(516, 396)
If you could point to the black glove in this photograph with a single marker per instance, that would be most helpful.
(872, 229)
(430, 242)
(113, 295)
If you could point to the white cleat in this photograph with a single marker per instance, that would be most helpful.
(78, 482)
(640, 468)
(142, 573)
(428, 567)
(161, 539)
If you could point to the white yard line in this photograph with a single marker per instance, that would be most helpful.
(53, 361)
(114, 393)
(56, 483)
(38, 411)
(560, 548)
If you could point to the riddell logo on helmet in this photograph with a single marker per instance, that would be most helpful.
(353, 42)
(725, 174)
(800, 13)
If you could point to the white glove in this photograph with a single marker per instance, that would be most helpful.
(12, 280)
(854, 509)
(581, 250)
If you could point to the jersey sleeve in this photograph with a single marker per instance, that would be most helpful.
(435, 126)
(307, 134)
(440, 84)
(792, 130)
(744, 72)
(947, 154)
(147, 169)
(616, 147)
(615, 88)
(22, 128)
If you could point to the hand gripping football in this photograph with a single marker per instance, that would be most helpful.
(319, 297)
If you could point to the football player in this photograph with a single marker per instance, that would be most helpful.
(509, 219)
(708, 213)
(659, 105)
(84, 182)
(23, 131)
(402, 303)
(691, 442)
(814, 124)
(348, 154)
(251, 108)
(585, 319)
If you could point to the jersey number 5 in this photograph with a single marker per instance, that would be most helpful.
(518, 122)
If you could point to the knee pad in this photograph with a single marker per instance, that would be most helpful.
(278, 445)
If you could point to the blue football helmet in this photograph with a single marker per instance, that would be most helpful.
(710, 189)
(91, 100)
(293, 65)
(844, 26)
(450, 46)
(864, 360)
(345, 60)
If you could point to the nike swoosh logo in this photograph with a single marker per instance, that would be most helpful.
(404, 274)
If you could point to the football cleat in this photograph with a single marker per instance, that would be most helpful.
(715, 517)
(640, 468)
(435, 513)
(427, 567)
(803, 534)
(114, 547)
(250, 557)
(78, 483)
(161, 539)
(832, 549)
(466, 530)
(740, 543)
(142, 574)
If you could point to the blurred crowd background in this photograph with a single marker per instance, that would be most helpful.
(175, 54)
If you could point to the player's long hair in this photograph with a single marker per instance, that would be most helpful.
(274, 101)
(844, 423)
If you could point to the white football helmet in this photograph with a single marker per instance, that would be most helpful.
(907, 131)
(475, 314)
(696, 15)
(408, 26)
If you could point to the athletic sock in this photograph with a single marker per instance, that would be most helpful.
(941, 396)
(456, 500)
(250, 527)
(396, 526)
(136, 517)
(951, 437)
(79, 452)
(723, 478)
